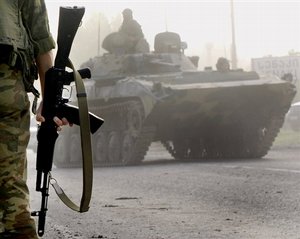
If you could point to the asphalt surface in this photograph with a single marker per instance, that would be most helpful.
(164, 198)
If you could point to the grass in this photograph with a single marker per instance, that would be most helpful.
(287, 138)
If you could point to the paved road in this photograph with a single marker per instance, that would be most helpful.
(167, 199)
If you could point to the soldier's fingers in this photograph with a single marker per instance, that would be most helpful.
(58, 128)
(57, 121)
(65, 121)
(39, 118)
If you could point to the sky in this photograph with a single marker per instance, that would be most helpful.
(262, 27)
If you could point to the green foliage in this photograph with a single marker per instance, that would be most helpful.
(287, 138)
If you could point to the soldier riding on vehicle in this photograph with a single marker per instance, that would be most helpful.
(129, 39)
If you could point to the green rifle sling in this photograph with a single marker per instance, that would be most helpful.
(87, 164)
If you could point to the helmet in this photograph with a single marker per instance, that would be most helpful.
(223, 64)
(127, 12)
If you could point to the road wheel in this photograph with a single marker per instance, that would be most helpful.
(100, 147)
(75, 149)
(114, 148)
(61, 150)
(127, 148)
(135, 120)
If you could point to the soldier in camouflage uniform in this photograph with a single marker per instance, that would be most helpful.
(25, 45)
(132, 34)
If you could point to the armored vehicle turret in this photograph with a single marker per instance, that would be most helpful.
(162, 96)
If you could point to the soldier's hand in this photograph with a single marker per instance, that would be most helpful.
(59, 122)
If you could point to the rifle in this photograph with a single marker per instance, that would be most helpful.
(55, 105)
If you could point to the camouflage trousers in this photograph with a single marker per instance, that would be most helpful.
(15, 219)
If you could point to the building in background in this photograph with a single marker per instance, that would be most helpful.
(287, 67)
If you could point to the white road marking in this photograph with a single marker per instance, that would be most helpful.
(266, 169)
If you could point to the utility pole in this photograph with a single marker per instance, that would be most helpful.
(209, 47)
(99, 35)
(166, 19)
(233, 46)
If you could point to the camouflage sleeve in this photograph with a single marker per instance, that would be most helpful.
(35, 18)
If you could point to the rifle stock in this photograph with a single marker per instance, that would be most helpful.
(55, 105)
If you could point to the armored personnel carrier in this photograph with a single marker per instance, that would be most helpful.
(161, 96)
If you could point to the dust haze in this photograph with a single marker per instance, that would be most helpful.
(262, 28)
